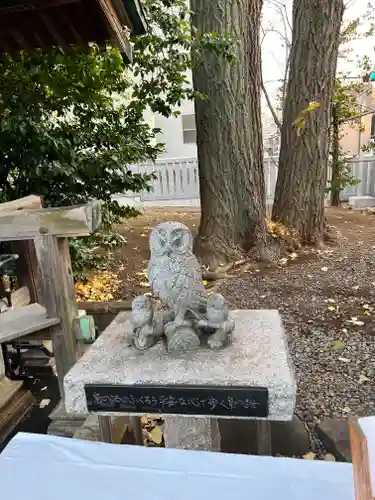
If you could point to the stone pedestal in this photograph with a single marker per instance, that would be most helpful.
(257, 357)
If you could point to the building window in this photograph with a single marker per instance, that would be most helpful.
(373, 126)
(188, 129)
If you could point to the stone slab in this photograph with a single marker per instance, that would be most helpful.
(64, 428)
(257, 357)
(60, 413)
(335, 436)
(361, 201)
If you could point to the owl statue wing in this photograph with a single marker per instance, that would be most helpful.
(181, 284)
(187, 286)
(153, 272)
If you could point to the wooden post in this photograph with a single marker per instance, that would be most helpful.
(264, 437)
(59, 293)
(361, 462)
(29, 270)
(28, 264)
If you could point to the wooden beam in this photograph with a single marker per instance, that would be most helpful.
(39, 42)
(20, 298)
(28, 269)
(135, 14)
(63, 222)
(27, 264)
(52, 29)
(116, 29)
(55, 266)
(26, 5)
(31, 201)
(16, 323)
(20, 40)
(63, 14)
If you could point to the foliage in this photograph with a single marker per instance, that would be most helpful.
(300, 121)
(356, 29)
(72, 123)
(345, 107)
(345, 177)
(63, 133)
(103, 284)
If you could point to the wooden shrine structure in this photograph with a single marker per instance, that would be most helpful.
(30, 24)
(48, 311)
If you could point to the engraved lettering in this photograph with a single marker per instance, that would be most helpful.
(212, 403)
(232, 403)
(235, 401)
(194, 402)
(224, 404)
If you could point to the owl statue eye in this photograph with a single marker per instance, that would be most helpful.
(180, 241)
(177, 242)
(158, 242)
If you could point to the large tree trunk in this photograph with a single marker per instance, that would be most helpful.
(301, 182)
(335, 163)
(229, 134)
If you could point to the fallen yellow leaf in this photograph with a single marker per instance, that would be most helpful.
(156, 435)
(337, 344)
(309, 456)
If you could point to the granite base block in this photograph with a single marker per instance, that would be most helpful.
(257, 357)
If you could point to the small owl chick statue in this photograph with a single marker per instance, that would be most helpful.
(218, 321)
(145, 335)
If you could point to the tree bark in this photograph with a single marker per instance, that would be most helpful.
(301, 182)
(335, 163)
(229, 132)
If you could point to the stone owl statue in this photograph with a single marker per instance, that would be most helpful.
(174, 273)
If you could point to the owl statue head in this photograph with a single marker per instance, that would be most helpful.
(171, 238)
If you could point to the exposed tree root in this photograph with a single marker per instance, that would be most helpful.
(330, 237)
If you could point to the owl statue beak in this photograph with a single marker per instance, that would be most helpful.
(169, 251)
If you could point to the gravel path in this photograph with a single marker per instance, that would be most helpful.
(317, 293)
(327, 302)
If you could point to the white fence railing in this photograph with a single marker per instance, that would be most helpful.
(178, 179)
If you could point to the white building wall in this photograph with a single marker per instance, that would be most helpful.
(172, 134)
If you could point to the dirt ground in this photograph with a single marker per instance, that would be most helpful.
(326, 299)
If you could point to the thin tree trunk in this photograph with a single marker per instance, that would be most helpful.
(301, 182)
(335, 164)
(270, 106)
(229, 134)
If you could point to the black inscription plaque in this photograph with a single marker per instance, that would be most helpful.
(218, 401)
